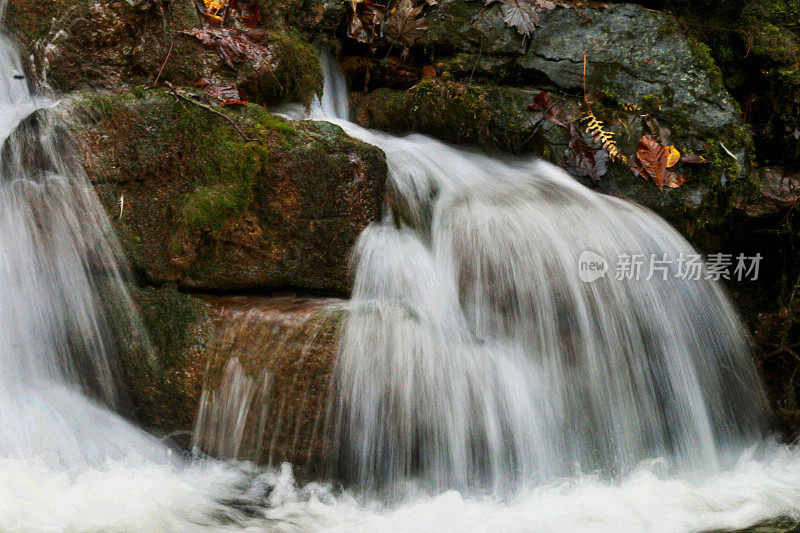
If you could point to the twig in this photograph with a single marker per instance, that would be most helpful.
(164, 64)
(480, 53)
(539, 122)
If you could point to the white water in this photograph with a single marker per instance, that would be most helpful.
(475, 357)
(67, 462)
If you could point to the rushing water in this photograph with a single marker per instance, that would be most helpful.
(476, 356)
(478, 378)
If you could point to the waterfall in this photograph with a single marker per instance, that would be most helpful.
(474, 355)
(59, 277)
(265, 392)
(68, 460)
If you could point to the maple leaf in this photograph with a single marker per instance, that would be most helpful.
(523, 15)
(582, 159)
(405, 23)
(543, 102)
(653, 160)
(364, 21)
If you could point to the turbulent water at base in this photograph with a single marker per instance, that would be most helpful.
(472, 359)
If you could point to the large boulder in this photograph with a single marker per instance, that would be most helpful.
(210, 199)
(643, 75)
(110, 44)
(264, 362)
(633, 55)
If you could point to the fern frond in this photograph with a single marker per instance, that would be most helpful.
(596, 130)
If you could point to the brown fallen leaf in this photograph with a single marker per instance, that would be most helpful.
(220, 92)
(234, 45)
(522, 15)
(405, 23)
(582, 159)
(653, 160)
(543, 102)
(693, 159)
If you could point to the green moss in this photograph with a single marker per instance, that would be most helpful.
(167, 391)
(298, 74)
(211, 206)
(168, 316)
(491, 116)
(652, 103)
(730, 177)
(702, 54)
(176, 135)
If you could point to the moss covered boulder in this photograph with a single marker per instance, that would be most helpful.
(110, 44)
(213, 199)
(634, 55)
(489, 116)
(165, 376)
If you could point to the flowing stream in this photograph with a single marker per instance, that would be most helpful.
(480, 384)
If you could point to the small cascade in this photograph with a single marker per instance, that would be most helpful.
(266, 386)
(475, 356)
(62, 294)
(223, 413)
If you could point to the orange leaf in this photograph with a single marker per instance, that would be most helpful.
(655, 160)
(673, 156)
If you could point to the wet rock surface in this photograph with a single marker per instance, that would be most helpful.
(228, 200)
(238, 200)
(634, 55)
(643, 75)
(284, 346)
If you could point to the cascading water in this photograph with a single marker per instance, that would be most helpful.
(67, 460)
(474, 355)
(472, 358)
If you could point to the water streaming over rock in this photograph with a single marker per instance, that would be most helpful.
(474, 354)
(59, 275)
(266, 387)
(68, 461)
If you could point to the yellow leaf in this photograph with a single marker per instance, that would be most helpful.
(673, 156)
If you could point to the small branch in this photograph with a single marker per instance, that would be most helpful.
(164, 64)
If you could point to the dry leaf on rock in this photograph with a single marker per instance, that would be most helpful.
(405, 24)
(654, 161)
(523, 15)
(543, 102)
(582, 159)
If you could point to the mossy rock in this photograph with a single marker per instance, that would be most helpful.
(217, 199)
(489, 116)
(286, 346)
(111, 44)
(165, 377)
